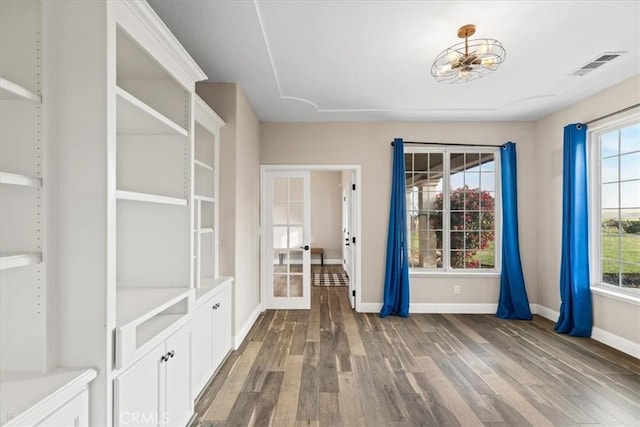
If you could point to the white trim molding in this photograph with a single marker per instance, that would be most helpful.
(619, 343)
(616, 294)
(242, 333)
(612, 340)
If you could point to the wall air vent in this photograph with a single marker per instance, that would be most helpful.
(597, 62)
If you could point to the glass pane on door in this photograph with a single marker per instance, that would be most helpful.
(289, 210)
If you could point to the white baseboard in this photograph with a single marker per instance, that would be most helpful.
(617, 342)
(242, 334)
(369, 307)
(605, 337)
(545, 312)
(454, 308)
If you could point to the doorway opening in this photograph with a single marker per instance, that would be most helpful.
(310, 223)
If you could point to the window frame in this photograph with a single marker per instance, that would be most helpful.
(447, 270)
(594, 178)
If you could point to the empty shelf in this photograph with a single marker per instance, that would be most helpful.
(137, 118)
(19, 259)
(203, 165)
(10, 90)
(150, 198)
(205, 198)
(16, 179)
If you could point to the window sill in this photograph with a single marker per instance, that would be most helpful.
(457, 274)
(627, 296)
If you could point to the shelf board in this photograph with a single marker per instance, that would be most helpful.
(155, 326)
(206, 230)
(150, 198)
(210, 286)
(137, 118)
(27, 395)
(11, 90)
(16, 179)
(203, 165)
(204, 198)
(19, 259)
(136, 305)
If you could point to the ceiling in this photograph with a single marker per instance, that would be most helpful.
(331, 60)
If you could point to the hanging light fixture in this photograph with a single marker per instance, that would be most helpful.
(468, 60)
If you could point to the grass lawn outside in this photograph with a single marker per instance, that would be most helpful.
(612, 267)
(630, 244)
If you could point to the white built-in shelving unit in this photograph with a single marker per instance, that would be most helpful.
(108, 218)
(211, 326)
(32, 384)
(205, 192)
(23, 278)
(127, 229)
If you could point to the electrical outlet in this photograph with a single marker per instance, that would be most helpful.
(456, 289)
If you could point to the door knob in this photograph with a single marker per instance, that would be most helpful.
(305, 247)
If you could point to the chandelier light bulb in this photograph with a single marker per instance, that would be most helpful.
(489, 62)
(453, 55)
(444, 70)
(483, 48)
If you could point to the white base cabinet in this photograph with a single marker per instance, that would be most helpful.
(57, 398)
(74, 413)
(211, 324)
(155, 391)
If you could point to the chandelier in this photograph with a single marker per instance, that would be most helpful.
(468, 60)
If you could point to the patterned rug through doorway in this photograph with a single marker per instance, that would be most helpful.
(330, 279)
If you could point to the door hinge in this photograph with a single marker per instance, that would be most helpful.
(353, 186)
(354, 240)
(353, 293)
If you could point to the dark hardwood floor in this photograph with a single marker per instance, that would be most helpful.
(330, 366)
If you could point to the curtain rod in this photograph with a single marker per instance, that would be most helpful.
(450, 143)
(631, 107)
(606, 116)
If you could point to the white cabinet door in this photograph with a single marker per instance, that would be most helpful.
(74, 413)
(201, 349)
(136, 392)
(221, 327)
(179, 405)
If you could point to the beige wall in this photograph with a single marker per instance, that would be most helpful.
(326, 213)
(608, 312)
(239, 196)
(368, 144)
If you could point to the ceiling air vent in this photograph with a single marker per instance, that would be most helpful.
(595, 63)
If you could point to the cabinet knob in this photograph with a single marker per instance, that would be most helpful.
(164, 358)
(172, 353)
(216, 306)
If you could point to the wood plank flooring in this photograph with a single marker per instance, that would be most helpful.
(330, 366)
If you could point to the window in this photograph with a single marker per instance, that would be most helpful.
(452, 203)
(615, 199)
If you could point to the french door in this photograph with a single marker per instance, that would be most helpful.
(286, 236)
(349, 231)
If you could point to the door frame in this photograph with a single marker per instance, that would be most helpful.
(266, 260)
